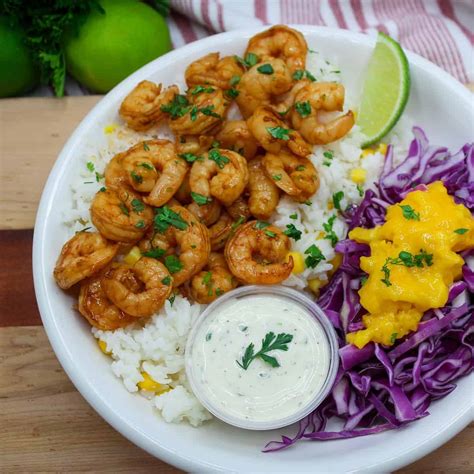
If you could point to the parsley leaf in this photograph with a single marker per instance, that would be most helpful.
(147, 166)
(292, 232)
(393, 338)
(140, 224)
(279, 133)
(154, 253)
(250, 60)
(165, 217)
(269, 233)
(124, 209)
(232, 93)
(200, 89)
(166, 280)
(293, 216)
(409, 213)
(337, 198)
(209, 111)
(265, 69)
(136, 177)
(303, 108)
(145, 146)
(386, 273)
(199, 199)
(234, 80)
(259, 225)
(276, 177)
(269, 343)
(178, 107)
(315, 256)
(220, 159)
(137, 206)
(90, 166)
(330, 234)
(173, 264)
(191, 157)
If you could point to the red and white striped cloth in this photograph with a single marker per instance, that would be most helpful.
(440, 30)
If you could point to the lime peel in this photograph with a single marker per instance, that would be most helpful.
(386, 90)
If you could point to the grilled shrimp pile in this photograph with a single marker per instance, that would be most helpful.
(189, 215)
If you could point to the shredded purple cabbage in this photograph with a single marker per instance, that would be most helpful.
(380, 388)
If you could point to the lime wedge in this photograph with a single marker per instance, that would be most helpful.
(386, 90)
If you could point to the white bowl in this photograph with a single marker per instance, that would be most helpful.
(441, 105)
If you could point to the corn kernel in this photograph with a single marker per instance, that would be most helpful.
(151, 385)
(354, 113)
(298, 261)
(330, 205)
(336, 262)
(108, 129)
(382, 148)
(358, 175)
(315, 284)
(321, 234)
(103, 347)
(133, 256)
(367, 152)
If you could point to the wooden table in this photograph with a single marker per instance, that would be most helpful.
(45, 424)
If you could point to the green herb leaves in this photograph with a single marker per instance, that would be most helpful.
(199, 199)
(337, 198)
(292, 232)
(461, 231)
(220, 159)
(200, 89)
(250, 60)
(265, 69)
(279, 133)
(173, 264)
(406, 259)
(328, 156)
(330, 234)
(154, 253)
(191, 157)
(314, 257)
(409, 213)
(166, 217)
(178, 107)
(269, 343)
(303, 108)
(303, 74)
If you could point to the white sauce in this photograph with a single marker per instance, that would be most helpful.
(261, 393)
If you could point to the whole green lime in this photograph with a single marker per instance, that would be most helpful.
(112, 45)
(18, 72)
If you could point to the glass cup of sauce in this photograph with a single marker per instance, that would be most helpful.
(262, 357)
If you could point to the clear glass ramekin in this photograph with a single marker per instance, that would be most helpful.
(320, 319)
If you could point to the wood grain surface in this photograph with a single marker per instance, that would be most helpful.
(32, 133)
(45, 424)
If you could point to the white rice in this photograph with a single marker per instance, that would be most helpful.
(157, 347)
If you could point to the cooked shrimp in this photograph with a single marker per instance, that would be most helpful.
(196, 145)
(183, 194)
(257, 254)
(201, 113)
(172, 170)
(235, 135)
(208, 214)
(222, 174)
(97, 308)
(282, 42)
(140, 290)
(256, 89)
(189, 241)
(239, 209)
(221, 231)
(212, 70)
(120, 215)
(213, 281)
(82, 256)
(294, 175)
(263, 193)
(141, 109)
(321, 96)
(274, 135)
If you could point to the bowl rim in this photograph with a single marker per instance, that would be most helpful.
(65, 357)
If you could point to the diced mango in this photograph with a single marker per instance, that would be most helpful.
(382, 148)
(358, 175)
(151, 385)
(367, 152)
(133, 256)
(108, 129)
(298, 262)
(103, 347)
(315, 284)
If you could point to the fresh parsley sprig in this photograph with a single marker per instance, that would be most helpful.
(269, 343)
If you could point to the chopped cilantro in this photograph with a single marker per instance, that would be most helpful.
(171, 299)
(147, 166)
(330, 234)
(124, 209)
(154, 253)
(337, 198)
(300, 74)
(300, 168)
(409, 213)
(234, 80)
(199, 199)
(209, 111)
(137, 206)
(207, 278)
(259, 225)
(145, 146)
(173, 264)
(269, 233)
(360, 190)
(190, 157)
(166, 217)
(166, 280)
(178, 107)
(276, 177)
(461, 231)
(293, 232)
(200, 89)
(90, 166)
(232, 93)
(140, 224)
(216, 156)
(393, 338)
(315, 256)
(279, 133)
(265, 69)
(136, 177)
(303, 108)
(98, 176)
(102, 189)
(293, 216)
(250, 60)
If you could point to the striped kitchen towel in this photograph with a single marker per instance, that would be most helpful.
(440, 30)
